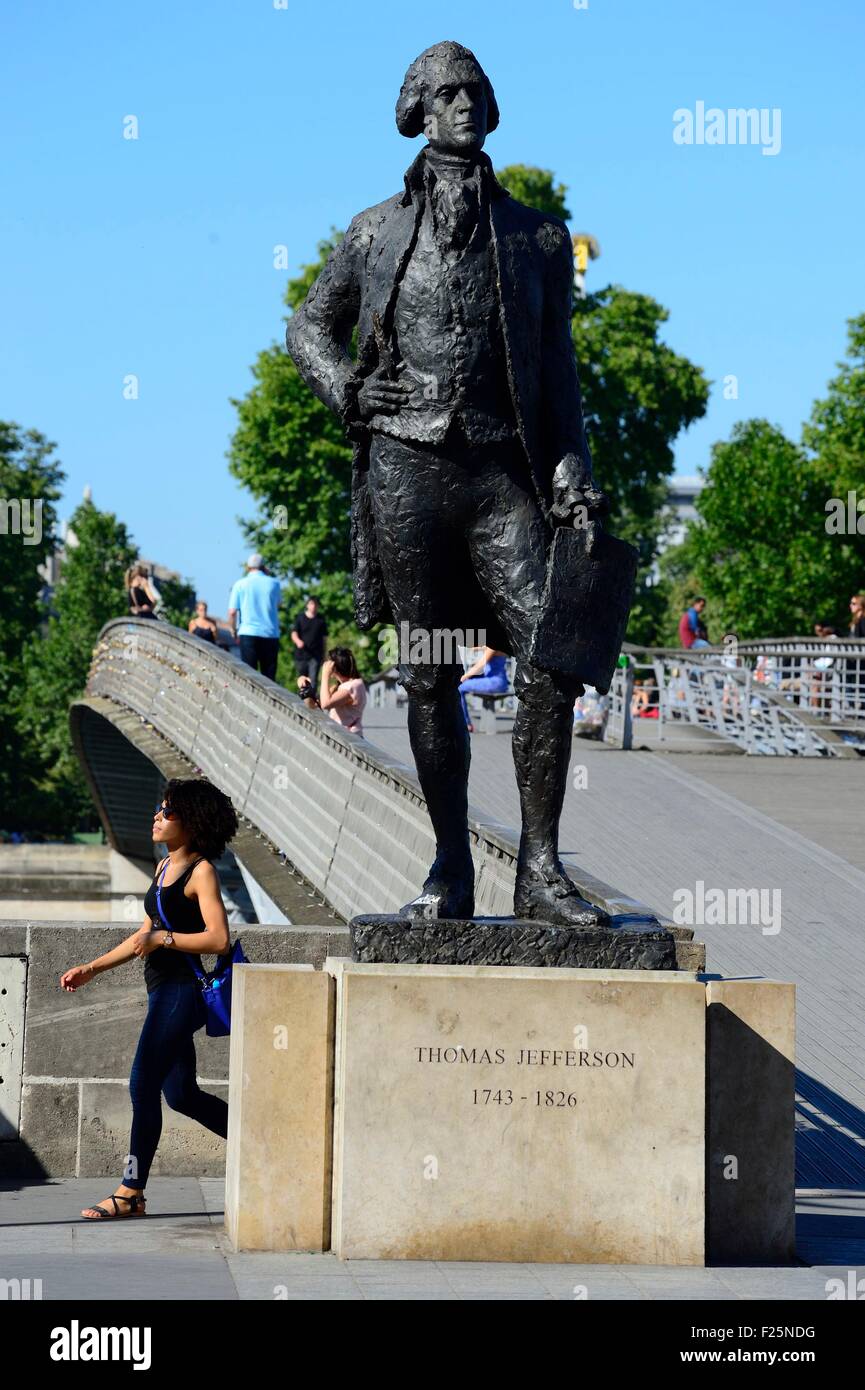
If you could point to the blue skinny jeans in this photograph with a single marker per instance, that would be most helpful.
(165, 1065)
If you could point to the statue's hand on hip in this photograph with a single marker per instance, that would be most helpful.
(576, 497)
(379, 395)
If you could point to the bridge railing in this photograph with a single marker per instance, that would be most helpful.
(823, 676)
(763, 701)
(826, 677)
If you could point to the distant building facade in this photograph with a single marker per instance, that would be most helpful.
(681, 502)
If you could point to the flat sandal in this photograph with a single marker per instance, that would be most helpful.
(136, 1208)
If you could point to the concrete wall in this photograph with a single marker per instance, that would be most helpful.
(56, 882)
(65, 1058)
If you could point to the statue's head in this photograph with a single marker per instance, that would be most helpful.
(448, 97)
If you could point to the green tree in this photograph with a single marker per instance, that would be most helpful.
(178, 601)
(537, 188)
(760, 552)
(638, 395)
(30, 484)
(90, 590)
(764, 550)
(835, 433)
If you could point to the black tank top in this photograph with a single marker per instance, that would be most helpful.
(182, 915)
(205, 633)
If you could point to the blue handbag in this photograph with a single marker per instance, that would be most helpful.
(215, 987)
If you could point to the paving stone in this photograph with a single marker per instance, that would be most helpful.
(182, 1254)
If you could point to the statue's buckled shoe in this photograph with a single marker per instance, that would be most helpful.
(545, 897)
(440, 897)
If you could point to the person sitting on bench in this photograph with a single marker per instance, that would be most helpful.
(486, 677)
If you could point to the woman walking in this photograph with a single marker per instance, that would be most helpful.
(194, 822)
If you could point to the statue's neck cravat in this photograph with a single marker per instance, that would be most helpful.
(452, 185)
(446, 333)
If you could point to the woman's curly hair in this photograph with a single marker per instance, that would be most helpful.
(205, 813)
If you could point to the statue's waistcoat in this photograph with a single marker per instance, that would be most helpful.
(447, 336)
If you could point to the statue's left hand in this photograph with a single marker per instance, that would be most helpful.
(576, 496)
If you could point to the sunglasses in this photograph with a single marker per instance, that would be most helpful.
(165, 812)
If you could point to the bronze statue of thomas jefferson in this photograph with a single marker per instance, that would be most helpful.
(465, 411)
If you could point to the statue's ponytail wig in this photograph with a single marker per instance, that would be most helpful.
(409, 107)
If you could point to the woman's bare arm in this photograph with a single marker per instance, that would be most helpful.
(126, 950)
(216, 938)
(329, 700)
(119, 955)
(478, 668)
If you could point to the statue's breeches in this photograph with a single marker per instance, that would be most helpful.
(459, 534)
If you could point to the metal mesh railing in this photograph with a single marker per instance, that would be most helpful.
(823, 676)
(770, 699)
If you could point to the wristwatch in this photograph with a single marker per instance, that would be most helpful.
(169, 939)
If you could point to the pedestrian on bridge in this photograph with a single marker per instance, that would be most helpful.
(857, 615)
(141, 592)
(308, 633)
(202, 625)
(854, 691)
(486, 676)
(253, 616)
(194, 821)
(692, 629)
(343, 693)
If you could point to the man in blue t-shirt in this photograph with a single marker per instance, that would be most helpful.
(255, 602)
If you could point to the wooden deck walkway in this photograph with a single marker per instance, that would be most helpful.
(653, 824)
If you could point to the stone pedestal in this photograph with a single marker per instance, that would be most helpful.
(525, 1114)
(750, 1152)
(278, 1162)
(511, 1113)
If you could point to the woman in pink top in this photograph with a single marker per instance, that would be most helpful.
(343, 692)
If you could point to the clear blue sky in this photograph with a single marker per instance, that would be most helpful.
(261, 126)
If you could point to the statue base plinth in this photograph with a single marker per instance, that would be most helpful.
(442, 1112)
(630, 943)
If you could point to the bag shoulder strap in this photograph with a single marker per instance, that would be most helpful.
(195, 965)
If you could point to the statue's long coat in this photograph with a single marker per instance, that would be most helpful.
(534, 269)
